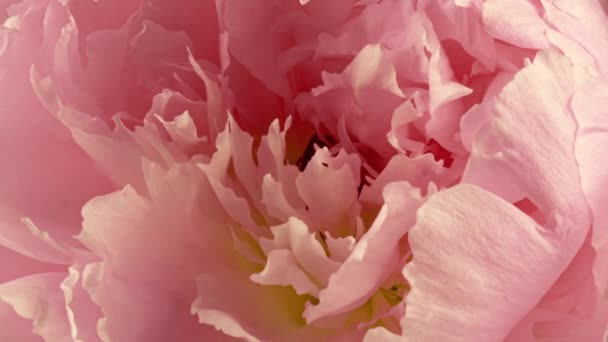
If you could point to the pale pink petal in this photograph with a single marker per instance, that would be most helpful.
(545, 137)
(398, 137)
(275, 201)
(226, 300)
(418, 171)
(247, 172)
(490, 289)
(363, 96)
(237, 207)
(329, 209)
(524, 151)
(583, 24)
(519, 23)
(39, 298)
(282, 269)
(478, 115)
(216, 108)
(369, 69)
(307, 251)
(381, 335)
(272, 149)
(589, 104)
(445, 95)
(340, 248)
(465, 26)
(573, 309)
(82, 314)
(168, 104)
(146, 241)
(182, 130)
(274, 155)
(373, 257)
(20, 328)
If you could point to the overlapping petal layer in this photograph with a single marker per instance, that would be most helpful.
(412, 170)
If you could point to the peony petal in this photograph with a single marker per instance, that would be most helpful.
(32, 140)
(464, 25)
(182, 130)
(380, 335)
(491, 289)
(373, 257)
(525, 149)
(364, 96)
(237, 208)
(244, 22)
(445, 95)
(418, 171)
(399, 136)
(16, 265)
(518, 23)
(225, 301)
(478, 115)
(282, 269)
(144, 241)
(340, 248)
(574, 22)
(275, 239)
(307, 251)
(369, 69)
(589, 106)
(275, 201)
(82, 314)
(573, 309)
(340, 173)
(119, 152)
(216, 110)
(20, 328)
(39, 298)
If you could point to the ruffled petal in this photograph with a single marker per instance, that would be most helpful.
(282, 269)
(39, 298)
(20, 328)
(83, 315)
(337, 209)
(306, 250)
(373, 257)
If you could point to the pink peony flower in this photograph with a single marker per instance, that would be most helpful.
(393, 170)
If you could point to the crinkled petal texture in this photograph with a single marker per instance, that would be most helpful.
(396, 170)
(552, 197)
(491, 289)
